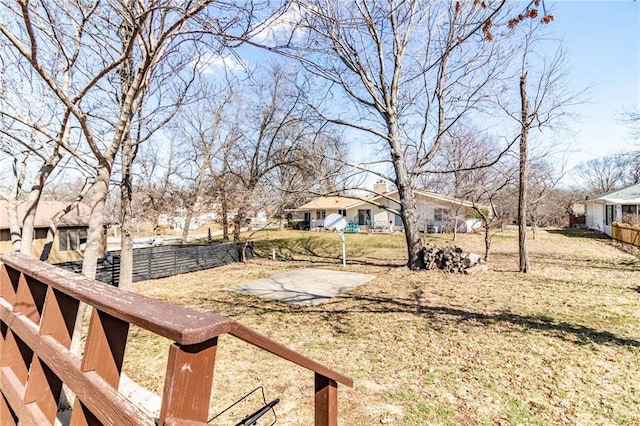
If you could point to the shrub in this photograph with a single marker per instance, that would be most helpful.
(300, 225)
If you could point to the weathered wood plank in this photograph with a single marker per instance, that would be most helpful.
(43, 388)
(17, 355)
(180, 422)
(177, 323)
(104, 350)
(189, 367)
(326, 401)
(88, 386)
(13, 391)
(59, 317)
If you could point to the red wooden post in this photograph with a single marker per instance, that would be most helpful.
(189, 367)
(326, 401)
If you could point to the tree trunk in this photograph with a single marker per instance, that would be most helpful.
(524, 265)
(15, 227)
(455, 227)
(35, 194)
(407, 199)
(127, 154)
(187, 225)
(96, 220)
(487, 239)
(94, 242)
(14, 224)
(237, 224)
(225, 220)
(126, 234)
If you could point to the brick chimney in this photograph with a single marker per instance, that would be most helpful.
(380, 187)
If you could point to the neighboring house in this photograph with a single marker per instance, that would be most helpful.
(69, 241)
(604, 209)
(435, 212)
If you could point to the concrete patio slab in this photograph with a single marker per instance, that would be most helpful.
(307, 287)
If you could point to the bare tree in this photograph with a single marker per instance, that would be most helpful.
(36, 135)
(542, 101)
(157, 181)
(404, 72)
(113, 55)
(632, 118)
(608, 173)
(203, 130)
(459, 165)
(544, 179)
(273, 141)
(485, 185)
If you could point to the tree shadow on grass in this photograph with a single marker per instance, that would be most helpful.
(440, 316)
(579, 233)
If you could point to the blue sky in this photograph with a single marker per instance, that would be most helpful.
(602, 39)
(603, 43)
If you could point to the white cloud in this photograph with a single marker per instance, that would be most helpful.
(280, 27)
(211, 63)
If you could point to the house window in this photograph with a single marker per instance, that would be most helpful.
(5, 235)
(321, 214)
(342, 212)
(629, 209)
(608, 214)
(72, 239)
(439, 214)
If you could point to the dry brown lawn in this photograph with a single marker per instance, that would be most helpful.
(558, 345)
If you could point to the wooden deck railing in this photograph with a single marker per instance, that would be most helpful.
(38, 309)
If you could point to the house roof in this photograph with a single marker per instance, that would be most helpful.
(445, 198)
(328, 203)
(628, 195)
(46, 210)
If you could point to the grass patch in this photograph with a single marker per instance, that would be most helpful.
(559, 345)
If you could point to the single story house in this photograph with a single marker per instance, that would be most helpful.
(70, 240)
(436, 212)
(604, 209)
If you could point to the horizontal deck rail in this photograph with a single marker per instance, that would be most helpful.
(38, 309)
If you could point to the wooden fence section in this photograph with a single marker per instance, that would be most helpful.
(625, 233)
(38, 307)
(164, 261)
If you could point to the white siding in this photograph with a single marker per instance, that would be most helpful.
(594, 213)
